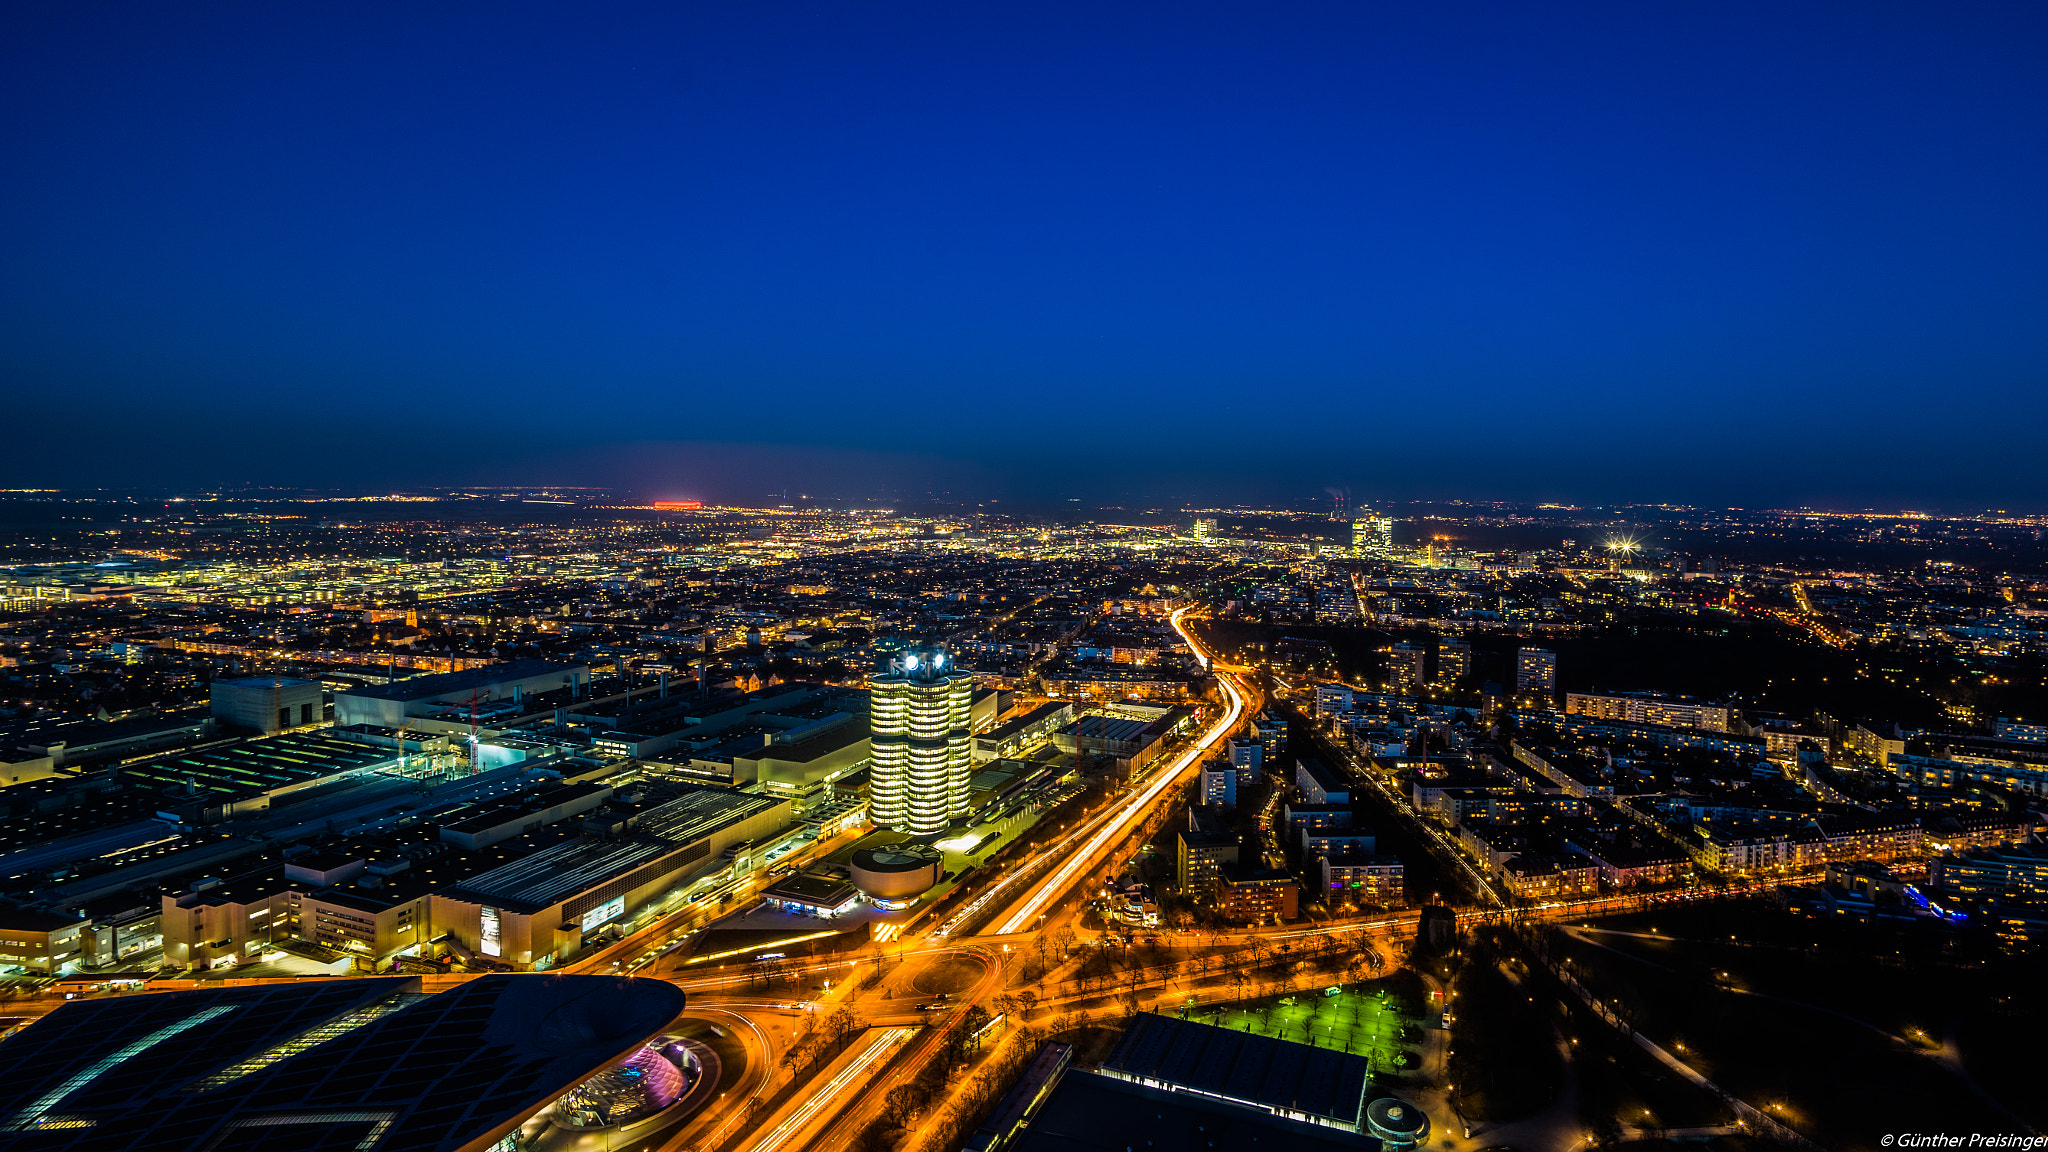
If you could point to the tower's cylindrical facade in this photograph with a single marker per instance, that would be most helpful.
(921, 728)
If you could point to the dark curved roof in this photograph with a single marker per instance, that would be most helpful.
(1242, 1067)
(315, 1067)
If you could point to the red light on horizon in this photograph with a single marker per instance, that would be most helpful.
(678, 503)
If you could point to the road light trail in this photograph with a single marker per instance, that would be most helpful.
(1053, 885)
(877, 1048)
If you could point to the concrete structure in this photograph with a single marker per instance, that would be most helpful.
(1256, 894)
(1012, 738)
(1219, 784)
(922, 742)
(1372, 537)
(1245, 755)
(1362, 877)
(40, 943)
(214, 784)
(1653, 710)
(1397, 1124)
(825, 897)
(1453, 661)
(391, 705)
(541, 910)
(34, 748)
(549, 877)
(269, 704)
(893, 875)
(1536, 672)
(1405, 664)
(1199, 856)
(1318, 784)
(495, 822)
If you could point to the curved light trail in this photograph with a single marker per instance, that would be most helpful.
(1109, 833)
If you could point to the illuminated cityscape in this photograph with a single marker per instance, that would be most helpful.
(1023, 578)
(958, 828)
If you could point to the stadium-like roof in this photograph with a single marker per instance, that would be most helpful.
(370, 1065)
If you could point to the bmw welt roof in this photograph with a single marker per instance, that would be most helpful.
(318, 1066)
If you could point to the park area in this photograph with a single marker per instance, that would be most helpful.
(1370, 1020)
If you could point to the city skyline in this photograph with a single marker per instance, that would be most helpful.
(1057, 577)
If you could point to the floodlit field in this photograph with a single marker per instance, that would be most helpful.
(1364, 1022)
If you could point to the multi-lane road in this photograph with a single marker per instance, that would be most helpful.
(759, 1110)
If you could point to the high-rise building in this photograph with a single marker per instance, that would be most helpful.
(1219, 784)
(922, 737)
(1535, 672)
(1205, 528)
(1453, 661)
(1372, 535)
(1404, 668)
(269, 704)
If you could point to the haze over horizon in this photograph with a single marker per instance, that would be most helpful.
(1747, 255)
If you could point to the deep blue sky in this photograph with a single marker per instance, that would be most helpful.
(1767, 253)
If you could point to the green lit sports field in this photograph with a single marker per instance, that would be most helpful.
(1365, 1023)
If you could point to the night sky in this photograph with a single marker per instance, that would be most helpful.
(1752, 254)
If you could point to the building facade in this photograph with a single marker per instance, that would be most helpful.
(922, 742)
(268, 704)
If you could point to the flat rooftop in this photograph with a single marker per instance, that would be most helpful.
(255, 766)
(554, 874)
(467, 680)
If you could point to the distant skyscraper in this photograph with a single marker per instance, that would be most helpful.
(1205, 528)
(1536, 672)
(1372, 536)
(1453, 660)
(922, 736)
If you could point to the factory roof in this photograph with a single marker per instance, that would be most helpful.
(669, 835)
(253, 767)
(467, 680)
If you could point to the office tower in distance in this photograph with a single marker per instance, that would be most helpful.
(1372, 535)
(1205, 528)
(1404, 668)
(1536, 672)
(1453, 661)
(922, 742)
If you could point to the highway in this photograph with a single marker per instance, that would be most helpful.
(1120, 820)
(761, 1111)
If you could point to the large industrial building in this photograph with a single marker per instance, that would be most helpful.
(922, 735)
(455, 694)
(523, 882)
(339, 1065)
